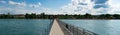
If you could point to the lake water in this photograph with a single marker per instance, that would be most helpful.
(101, 27)
(24, 27)
(42, 27)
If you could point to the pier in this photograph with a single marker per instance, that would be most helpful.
(61, 28)
(55, 29)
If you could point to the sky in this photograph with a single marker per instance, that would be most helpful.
(93, 7)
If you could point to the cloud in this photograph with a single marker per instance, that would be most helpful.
(5, 10)
(23, 4)
(35, 5)
(21, 8)
(17, 3)
(114, 7)
(78, 7)
(93, 7)
(16, 10)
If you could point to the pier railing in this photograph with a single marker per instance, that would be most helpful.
(69, 29)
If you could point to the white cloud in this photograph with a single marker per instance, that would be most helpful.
(35, 5)
(76, 8)
(21, 8)
(17, 3)
(67, 9)
(72, 8)
(23, 4)
(114, 6)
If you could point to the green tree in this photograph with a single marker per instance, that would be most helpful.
(116, 16)
(27, 15)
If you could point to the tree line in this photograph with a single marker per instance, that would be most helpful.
(66, 16)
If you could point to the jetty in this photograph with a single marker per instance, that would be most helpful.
(55, 29)
(61, 28)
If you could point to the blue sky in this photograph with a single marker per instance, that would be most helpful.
(54, 3)
(60, 6)
(45, 3)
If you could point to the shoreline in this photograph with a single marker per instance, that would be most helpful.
(78, 19)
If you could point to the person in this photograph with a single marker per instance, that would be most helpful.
(67, 26)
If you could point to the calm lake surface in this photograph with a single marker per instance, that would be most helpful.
(24, 27)
(42, 27)
(101, 27)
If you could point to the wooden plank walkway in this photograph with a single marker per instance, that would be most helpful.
(56, 29)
